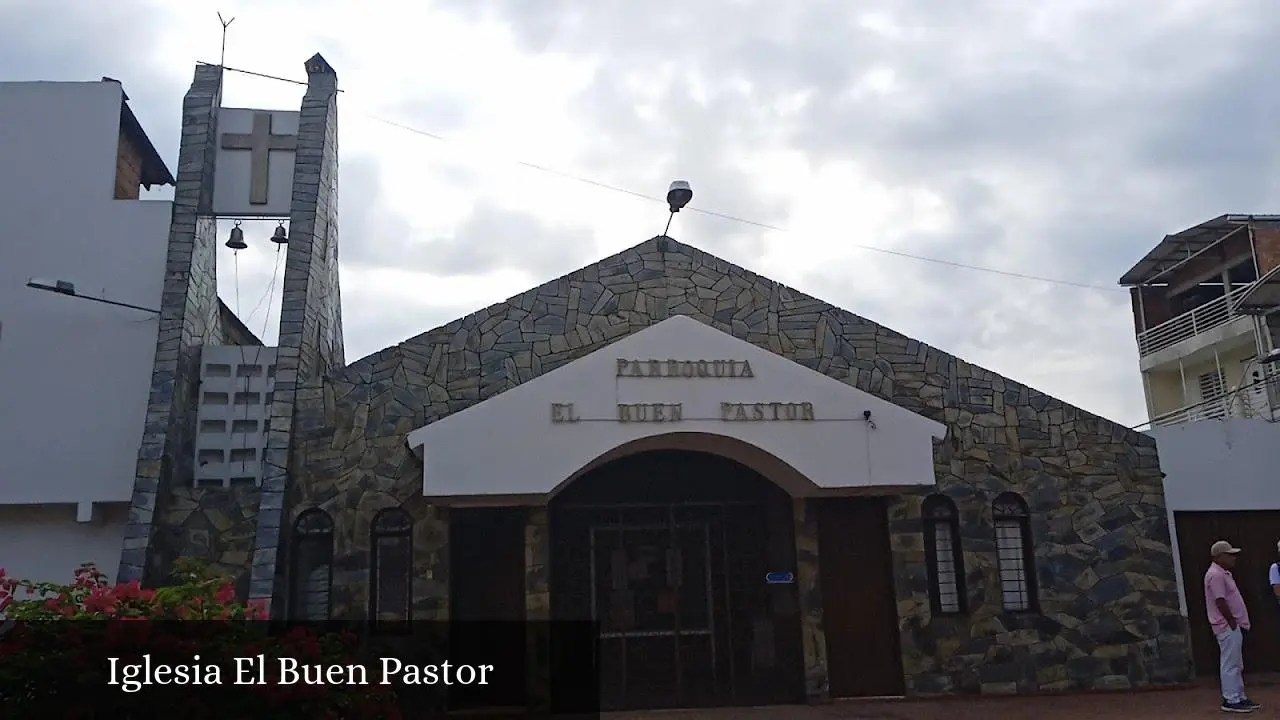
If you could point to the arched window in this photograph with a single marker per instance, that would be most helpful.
(1014, 552)
(312, 566)
(391, 566)
(944, 555)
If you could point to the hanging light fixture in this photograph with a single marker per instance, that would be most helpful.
(280, 236)
(236, 241)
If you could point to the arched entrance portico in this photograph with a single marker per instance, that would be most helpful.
(684, 552)
(686, 466)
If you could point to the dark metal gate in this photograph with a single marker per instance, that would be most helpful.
(686, 619)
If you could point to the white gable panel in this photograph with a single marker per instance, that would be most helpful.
(512, 445)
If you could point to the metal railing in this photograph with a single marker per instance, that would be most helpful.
(1213, 410)
(1193, 322)
(1250, 402)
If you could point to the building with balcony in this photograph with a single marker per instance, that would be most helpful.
(1204, 303)
(1205, 306)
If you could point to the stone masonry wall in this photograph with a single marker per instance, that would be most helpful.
(1109, 611)
(310, 341)
(188, 320)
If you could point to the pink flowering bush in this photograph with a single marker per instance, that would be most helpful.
(55, 641)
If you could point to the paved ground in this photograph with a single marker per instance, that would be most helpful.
(1182, 704)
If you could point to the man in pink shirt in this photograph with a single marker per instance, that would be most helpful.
(1229, 619)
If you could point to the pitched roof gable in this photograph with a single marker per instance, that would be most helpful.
(508, 343)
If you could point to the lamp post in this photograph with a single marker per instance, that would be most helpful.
(63, 287)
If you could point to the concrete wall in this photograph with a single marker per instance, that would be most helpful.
(44, 543)
(74, 374)
(1218, 465)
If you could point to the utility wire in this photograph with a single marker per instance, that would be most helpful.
(723, 216)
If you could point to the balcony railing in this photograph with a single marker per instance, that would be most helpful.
(1193, 322)
(1257, 401)
(1214, 410)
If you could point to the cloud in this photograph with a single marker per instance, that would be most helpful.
(1060, 139)
(489, 238)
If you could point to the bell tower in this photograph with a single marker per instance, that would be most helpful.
(310, 341)
(213, 462)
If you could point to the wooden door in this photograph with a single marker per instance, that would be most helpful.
(486, 568)
(1255, 532)
(487, 606)
(859, 605)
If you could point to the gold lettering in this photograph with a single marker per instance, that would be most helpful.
(650, 412)
(806, 411)
(771, 412)
(672, 367)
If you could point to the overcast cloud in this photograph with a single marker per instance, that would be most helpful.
(1061, 138)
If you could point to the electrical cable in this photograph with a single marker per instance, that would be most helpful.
(745, 221)
(257, 358)
(712, 213)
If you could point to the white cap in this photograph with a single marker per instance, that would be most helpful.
(1222, 547)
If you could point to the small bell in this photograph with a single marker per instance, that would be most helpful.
(236, 241)
(280, 236)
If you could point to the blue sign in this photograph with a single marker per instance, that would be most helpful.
(780, 578)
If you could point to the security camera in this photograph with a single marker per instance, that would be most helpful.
(866, 414)
(679, 195)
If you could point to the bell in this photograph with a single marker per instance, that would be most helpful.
(236, 241)
(280, 236)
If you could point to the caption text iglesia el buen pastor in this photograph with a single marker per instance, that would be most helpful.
(260, 670)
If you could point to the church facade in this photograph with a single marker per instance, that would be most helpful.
(760, 497)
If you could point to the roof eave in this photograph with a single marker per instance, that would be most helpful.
(1264, 297)
(154, 169)
(1161, 258)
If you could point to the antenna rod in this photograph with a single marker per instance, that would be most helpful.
(222, 58)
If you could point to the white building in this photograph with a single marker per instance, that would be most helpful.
(1205, 304)
(74, 373)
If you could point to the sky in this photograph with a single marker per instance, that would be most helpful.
(480, 140)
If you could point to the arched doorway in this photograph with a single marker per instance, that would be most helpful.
(687, 560)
